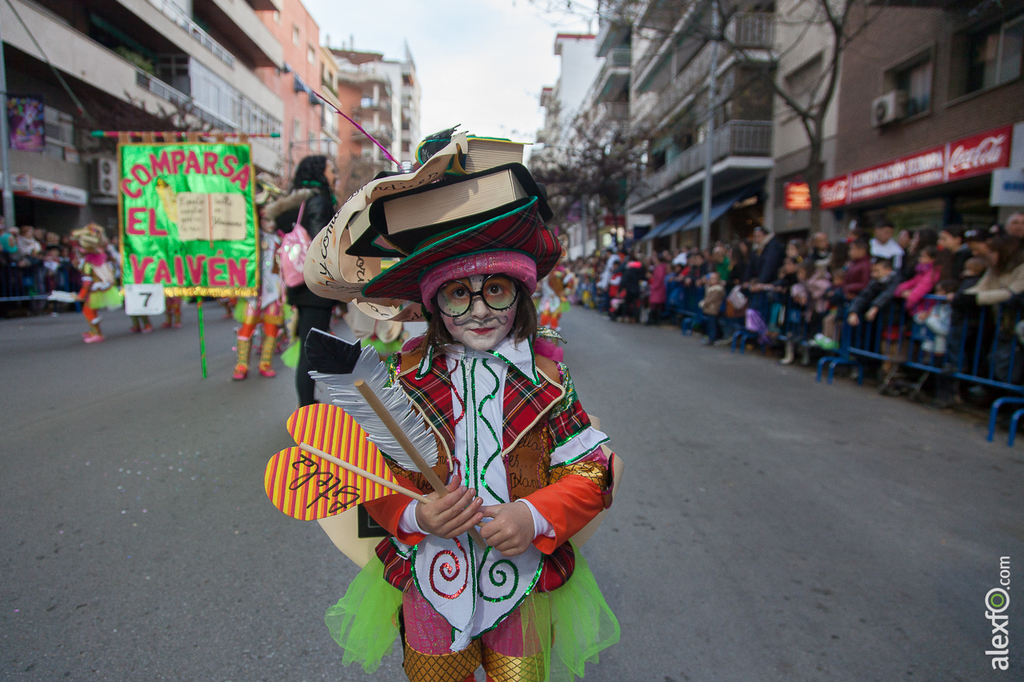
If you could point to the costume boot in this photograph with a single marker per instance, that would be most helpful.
(242, 368)
(272, 320)
(267, 355)
(94, 334)
(788, 359)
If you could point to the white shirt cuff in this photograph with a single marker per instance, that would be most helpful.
(541, 526)
(408, 523)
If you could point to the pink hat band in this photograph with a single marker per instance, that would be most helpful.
(511, 263)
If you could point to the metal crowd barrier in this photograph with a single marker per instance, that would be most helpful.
(35, 282)
(982, 347)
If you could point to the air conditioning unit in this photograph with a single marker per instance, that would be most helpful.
(890, 107)
(104, 177)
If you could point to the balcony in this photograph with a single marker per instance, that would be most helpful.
(239, 25)
(178, 16)
(736, 138)
(368, 106)
(613, 78)
(609, 113)
(382, 133)
(754, 31)
(611, 34)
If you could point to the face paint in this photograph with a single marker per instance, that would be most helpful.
(480, 328)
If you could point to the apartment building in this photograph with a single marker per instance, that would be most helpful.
(132, 65)
(803, 45)
(671, 100)
(385, 97)
(931, 116)
(570, 102)
(294, 81)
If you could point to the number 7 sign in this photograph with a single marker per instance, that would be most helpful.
(143, 299)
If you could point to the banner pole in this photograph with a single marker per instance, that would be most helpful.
(202, 337)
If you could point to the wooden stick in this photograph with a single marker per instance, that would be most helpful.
(373, 401)
(400, 435)
(362, 472)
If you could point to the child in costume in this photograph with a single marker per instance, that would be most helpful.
(551, 299)
(99, 282)
(172, 311)
(520, 458)
(266, 308)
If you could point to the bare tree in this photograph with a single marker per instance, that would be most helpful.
(592, 171)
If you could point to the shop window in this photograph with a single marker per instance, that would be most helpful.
(987, 58)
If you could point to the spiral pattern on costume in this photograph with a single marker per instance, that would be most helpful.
(498, 576)
(447, 572)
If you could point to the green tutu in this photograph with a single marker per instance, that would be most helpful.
(107, 299)
(574, 622)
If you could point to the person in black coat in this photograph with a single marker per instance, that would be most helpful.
(766, 259)
(312, 186)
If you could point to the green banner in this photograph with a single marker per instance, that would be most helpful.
(187, 218)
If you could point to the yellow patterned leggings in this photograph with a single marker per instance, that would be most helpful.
(506, 653)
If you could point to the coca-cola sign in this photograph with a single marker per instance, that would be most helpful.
(834, 192)
(979, 154)
(970, 156)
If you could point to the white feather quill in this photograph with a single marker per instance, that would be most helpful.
(339, 389)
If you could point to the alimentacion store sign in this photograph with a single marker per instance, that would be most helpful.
(968, 157)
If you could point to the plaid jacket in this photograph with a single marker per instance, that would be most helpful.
(537, 419)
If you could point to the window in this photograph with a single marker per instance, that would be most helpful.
(296, 36)
(296, 129)
(916, 81)
(803, 81)
(310, 55)
(277, 17)
(994, 55)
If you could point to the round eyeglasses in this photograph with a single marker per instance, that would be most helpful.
(455, 298)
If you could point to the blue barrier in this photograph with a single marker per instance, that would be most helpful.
(36, 282)
(981, 348)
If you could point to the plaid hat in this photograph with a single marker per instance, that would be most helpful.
(520, 230)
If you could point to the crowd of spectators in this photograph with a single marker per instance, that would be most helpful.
(34, 262)
(939, 279)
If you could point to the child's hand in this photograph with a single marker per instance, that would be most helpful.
(452, 515)
(852, 319)
(510, 530)
(920, 317)
(871, 314)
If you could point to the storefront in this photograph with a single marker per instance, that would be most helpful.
(948, 184)
(49, 205)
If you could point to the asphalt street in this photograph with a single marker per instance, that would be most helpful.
(768, 527)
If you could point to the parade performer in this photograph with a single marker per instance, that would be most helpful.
(552, 298)
(264, 308)
(515, 448)
(172, 311)
(99, 281)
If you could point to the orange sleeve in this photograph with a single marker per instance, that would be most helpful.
(568, 505)
(387, 511)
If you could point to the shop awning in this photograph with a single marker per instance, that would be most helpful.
(718, 208)
(670, 226)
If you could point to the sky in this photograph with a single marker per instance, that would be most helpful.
(481, 63)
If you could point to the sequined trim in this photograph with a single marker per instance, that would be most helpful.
(502, 668)
(212, 291)
(592, 471)
(393, 365)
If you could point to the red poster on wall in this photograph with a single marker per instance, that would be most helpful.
(797, 196)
